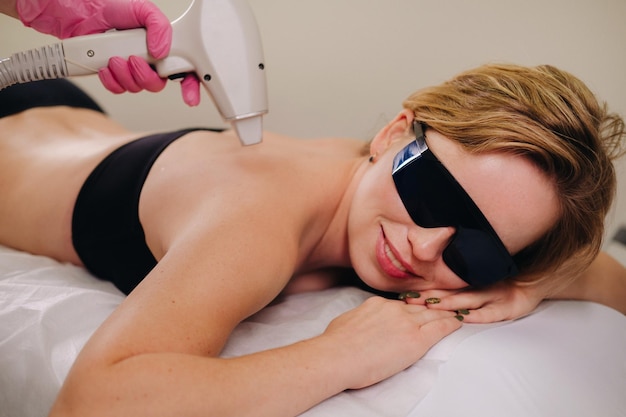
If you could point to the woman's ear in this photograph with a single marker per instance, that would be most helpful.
(395, 130)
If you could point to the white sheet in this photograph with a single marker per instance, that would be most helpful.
(566, 359)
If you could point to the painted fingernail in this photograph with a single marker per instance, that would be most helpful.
(433, 300)
(408, 294)
(464, 311)
(459, 317)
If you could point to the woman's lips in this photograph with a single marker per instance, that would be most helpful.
(390, 263)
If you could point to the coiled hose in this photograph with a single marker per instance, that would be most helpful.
(47, 62)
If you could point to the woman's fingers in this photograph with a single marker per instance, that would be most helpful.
(496, 303)
(439, 299)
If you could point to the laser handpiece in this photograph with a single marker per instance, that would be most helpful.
(219, 40)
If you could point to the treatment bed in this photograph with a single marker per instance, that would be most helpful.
(566, 359)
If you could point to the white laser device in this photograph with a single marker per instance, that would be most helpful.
(219, 40)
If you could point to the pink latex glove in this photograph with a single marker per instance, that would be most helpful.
(67, 18)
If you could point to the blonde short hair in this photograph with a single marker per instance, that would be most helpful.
(550, 117)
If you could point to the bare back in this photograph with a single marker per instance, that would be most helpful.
(47, 153)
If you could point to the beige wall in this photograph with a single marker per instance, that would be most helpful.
(342, 67)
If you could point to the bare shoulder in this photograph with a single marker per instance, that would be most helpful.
(210, 178)
(214, 275)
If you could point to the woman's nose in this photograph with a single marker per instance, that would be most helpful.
(428, 243)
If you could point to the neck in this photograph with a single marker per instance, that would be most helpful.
(332, 248)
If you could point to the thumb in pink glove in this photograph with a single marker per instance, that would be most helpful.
(67, 18)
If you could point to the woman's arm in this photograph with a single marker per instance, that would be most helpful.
(157, 353)
(364, 346)
(603, 282)
(7, 7)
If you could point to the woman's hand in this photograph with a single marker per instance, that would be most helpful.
(604, 282)
(383, 337)
(68, 18)
(501, 301)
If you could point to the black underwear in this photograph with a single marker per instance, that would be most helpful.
(106, 231)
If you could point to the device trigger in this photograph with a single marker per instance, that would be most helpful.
(176, 77)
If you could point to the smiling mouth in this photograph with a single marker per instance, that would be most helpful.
(390, 263)
(393, 259)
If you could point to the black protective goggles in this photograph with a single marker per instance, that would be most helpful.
(434, 198)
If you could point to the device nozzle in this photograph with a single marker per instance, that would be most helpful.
(249, 129)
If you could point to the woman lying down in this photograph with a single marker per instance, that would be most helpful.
(483, 196)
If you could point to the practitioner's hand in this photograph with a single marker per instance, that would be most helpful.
(383, 337)
(68, 18)
(501, 301)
